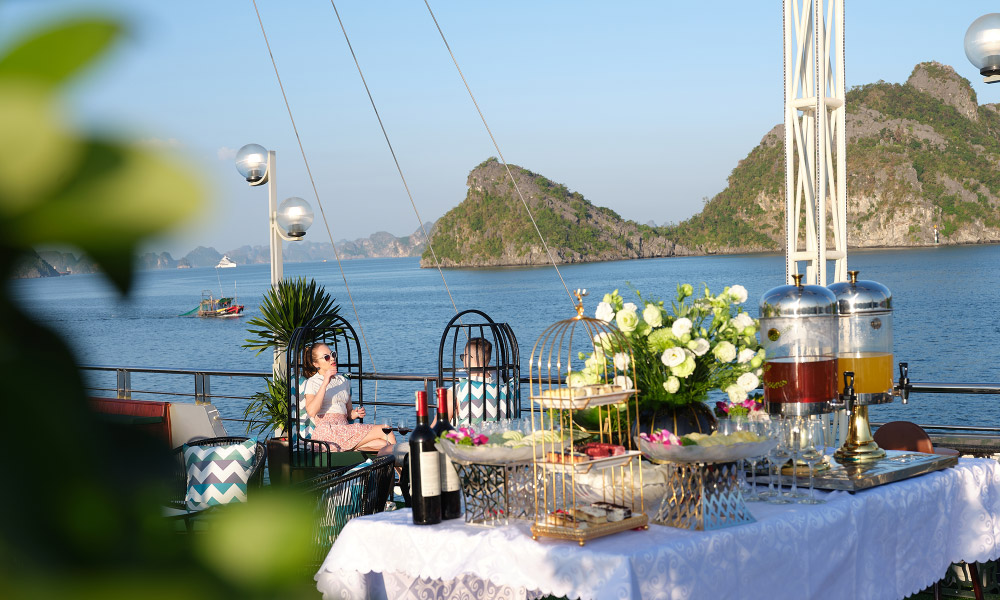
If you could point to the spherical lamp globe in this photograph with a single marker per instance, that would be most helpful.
(295, 216)
(982, 44)
(251, 162)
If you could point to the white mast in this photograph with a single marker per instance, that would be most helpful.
(815, 139)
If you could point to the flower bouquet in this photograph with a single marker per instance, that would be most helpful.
(698, 344)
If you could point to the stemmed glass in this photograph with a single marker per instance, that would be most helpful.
(793, 434)
(386, 424)
(776, 458)
(761, 429)
(402, 426)
(729, 427)
(813, 449)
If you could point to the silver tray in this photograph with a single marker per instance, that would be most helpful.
(897, 465)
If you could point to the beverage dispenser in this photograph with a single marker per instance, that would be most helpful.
(864, 323)
(798, 328)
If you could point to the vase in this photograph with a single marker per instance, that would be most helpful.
(695, 417)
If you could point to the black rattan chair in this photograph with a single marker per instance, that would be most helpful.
(343, 494)
(179, 485)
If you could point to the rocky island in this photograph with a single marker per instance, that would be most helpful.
(922, 160)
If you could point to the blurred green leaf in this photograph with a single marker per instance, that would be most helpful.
(37, 153)
(115, 197)
(53, 55)
(281, 516)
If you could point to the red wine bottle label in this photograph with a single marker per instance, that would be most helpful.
(430, 474)
(449, 476)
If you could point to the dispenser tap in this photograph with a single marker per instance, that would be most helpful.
(848, 398)
(902, 389)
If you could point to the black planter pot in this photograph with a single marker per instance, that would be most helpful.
(692, 418)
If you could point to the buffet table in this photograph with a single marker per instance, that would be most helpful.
(886, 542)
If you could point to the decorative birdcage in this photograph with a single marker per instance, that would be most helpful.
(334, 331)
(479, 359)
(588, 414)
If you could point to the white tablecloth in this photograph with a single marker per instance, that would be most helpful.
(886, 542)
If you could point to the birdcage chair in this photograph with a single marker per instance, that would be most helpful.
(479, 391)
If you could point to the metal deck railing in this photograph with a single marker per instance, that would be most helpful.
(167, 384)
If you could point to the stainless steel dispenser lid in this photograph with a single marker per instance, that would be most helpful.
(798, 300)
(854, 297)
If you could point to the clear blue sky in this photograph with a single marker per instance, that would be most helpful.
(644, 107)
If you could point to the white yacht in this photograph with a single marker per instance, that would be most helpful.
(225, 263)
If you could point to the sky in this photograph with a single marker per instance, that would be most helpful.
(643, 107)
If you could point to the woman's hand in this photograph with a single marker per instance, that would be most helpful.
(358, 413)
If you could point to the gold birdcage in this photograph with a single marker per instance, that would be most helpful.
(588, 482)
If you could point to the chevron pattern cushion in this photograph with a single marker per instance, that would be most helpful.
(217, 474)
(478, 401)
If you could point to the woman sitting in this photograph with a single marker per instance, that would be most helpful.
(328, 403)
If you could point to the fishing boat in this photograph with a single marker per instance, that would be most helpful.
(225, 307)
(225, 263)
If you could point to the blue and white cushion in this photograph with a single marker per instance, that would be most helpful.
(479, 401)
(218, 474)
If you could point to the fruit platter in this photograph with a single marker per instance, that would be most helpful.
(464, 445)
(663, 446)
(581, 397)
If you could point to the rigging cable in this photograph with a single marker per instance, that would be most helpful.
(502, 159)
(385, 134)
(329, 233)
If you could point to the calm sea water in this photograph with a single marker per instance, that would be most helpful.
(946, 322)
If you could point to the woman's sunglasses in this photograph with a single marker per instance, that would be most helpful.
(332, 357)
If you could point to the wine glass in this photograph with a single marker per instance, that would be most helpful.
(760, 428)
(386, 424)
(728, 427)
(813, 450)
(776, 458)
(403, 426)
(793, 434)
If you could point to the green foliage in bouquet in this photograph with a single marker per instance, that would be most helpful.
(701, 344)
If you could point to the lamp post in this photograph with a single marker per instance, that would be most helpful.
(286, 222)
(982, 46)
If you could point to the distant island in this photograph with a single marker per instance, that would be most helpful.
(922, 169)
(48, 263)
(922, 158)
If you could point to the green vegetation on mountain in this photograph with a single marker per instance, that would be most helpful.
(491, 226)
(920, 155)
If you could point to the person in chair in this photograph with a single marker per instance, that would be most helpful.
(328, 403)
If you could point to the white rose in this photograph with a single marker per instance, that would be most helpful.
(672, 385)
(630, 306)
(627, 320)
(652, 315)
(736, 393)
(673, 356)
(681, 326)
(621, 361)
(624, 382)
(738, 293)
(576, 379)
(742, 321)
(604, 312)
(748, 381)
(699, 346)
(745, 356)
(725, 352)
(602, 342)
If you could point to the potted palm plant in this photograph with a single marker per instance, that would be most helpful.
(291, 304)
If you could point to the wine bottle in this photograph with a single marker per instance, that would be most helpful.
(425, 469)
(451, 488)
